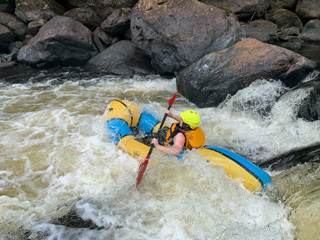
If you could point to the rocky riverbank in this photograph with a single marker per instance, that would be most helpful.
(214, 49)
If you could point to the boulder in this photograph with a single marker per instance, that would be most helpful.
(288, 23)
(309, 109)
(99, 4)
(62, 41)
(262, 30)
(308, 9)
(17, 27)
(293, 158)
(7, 6)
(286, 4)
(5, 18)
(210, 80)
(35, 26)
(6, 37)
(30, 10)
(118, 21)
(177, 33)
(283, 18)
(86, 16)
(244, 9)
(311, 31)
(122, 58)
(106, 39)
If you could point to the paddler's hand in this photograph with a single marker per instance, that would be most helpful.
(169, 114)
(155, 142)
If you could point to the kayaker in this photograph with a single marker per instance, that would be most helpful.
(184, 134)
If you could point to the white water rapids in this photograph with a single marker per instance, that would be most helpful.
(54, 155)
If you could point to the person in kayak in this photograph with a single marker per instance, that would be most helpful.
(183, 134)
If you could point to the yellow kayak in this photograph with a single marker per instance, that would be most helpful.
(122, 116)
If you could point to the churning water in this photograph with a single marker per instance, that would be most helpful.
(54, 155)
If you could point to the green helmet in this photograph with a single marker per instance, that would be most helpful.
(191, 118)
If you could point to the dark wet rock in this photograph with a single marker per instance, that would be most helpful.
(118, 21)
(175, 34)
(121, 58)
(105, 38)
(262, 30)
(6, 37)
(292, 43)
(5, 64)
(72, 220)
(86, 16)
(19, 29)
(311, 31)
(288, 23)
(283, 18)
(30, 10)
(7, 6)
(210, 80)
(244, 9)
(287, 4)
(62, 41)
(35, 26)
(308, 9)
(5, 18)
(293, 158)
(309, 109)
(99, 4)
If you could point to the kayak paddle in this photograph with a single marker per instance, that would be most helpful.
(144, 164)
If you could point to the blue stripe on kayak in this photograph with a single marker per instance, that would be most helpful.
(147, 122)
(117, 129)
(249, 166)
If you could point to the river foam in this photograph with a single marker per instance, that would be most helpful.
(54, 155)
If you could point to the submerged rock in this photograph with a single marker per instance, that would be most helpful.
(62, 41)
(293, 158)
(298, 188)
(210, 80)
(175, 34)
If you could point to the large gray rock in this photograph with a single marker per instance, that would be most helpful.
(208, 81)
(308, 9)
(244, 9)
(6, 37)
(283, 18)
(62, 41)
(30, 10)
(86, 16)
(118, 21)
(287, 4)
(17, 27)
(262, 30)
(311, 31)
(288, 23)
(122, 58)
(177, 33)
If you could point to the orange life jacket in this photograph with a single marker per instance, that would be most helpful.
(194, 138)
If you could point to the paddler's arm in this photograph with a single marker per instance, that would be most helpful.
(175, 117)
(175, 149)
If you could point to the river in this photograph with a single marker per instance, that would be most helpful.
(54, 156)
